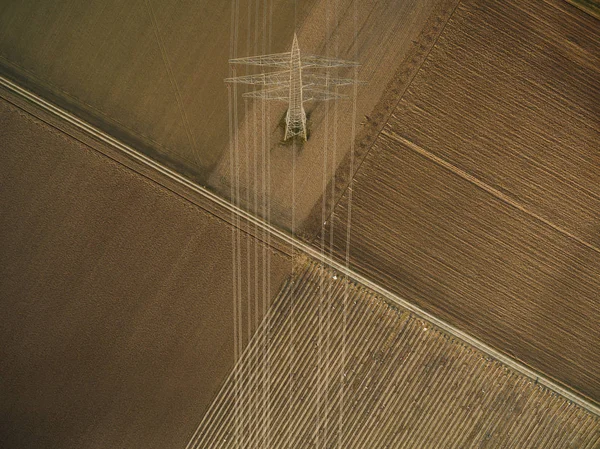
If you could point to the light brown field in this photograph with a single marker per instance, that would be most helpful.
(391, 40)
(151, 73)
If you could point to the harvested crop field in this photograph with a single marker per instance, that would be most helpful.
(135, 267)
(117, 322)
(479, 199)
(400, 382)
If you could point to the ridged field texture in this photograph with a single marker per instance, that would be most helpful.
(590, 6)
(480, 199)
(334, 365)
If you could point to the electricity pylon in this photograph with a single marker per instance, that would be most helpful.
(294, 84)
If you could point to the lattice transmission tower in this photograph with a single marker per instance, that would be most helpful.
(296, 84)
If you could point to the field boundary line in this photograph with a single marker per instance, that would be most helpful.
(484, 186)
(305, 248)
(363, 157)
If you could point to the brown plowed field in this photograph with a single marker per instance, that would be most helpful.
(115, 297)
(378, 378)
(479, 200)
(476, 196)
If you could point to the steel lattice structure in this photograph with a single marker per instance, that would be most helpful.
(292, 84)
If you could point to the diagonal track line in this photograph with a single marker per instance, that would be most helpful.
(363, 158)
(299, 245)
(484, 186)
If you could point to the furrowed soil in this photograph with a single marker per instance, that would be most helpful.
(476, 196)
(347, 369)
(479, 199)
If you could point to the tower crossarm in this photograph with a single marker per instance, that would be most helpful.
(298, 81)
(324, 80)
(280, 93)
(320, 61)
(312, 93)
(273, 60)
(265, 79)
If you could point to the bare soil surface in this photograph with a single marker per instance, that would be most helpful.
(479, 200)
(513, 98)
(115, 295)
(346, 369)
(389, 39)
(591, 7)
(476, 196)
(151, 74)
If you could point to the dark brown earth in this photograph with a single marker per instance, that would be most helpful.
(590, 6)
(115, 297)
(479, 200)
